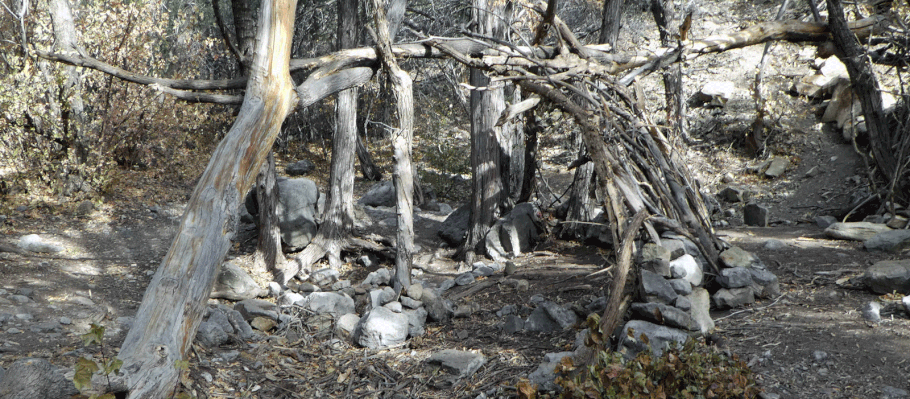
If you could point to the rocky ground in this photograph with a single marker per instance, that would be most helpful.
(812, 341)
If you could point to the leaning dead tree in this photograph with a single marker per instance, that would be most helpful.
(646, 189)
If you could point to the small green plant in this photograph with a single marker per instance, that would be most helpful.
(693, 371)
(86, 368)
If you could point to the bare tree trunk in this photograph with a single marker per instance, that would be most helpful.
(672, 76)
(612, 18)
(73, 115)
(166, 322)
(245, 26)
(367, 167)
(529, 181)
(268, 244)
(866, 88)
(486, 106)
(401, 149)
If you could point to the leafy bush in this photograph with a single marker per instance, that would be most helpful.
(692, 371)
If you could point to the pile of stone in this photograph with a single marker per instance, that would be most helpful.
(743, 277)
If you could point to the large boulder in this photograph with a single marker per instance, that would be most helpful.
(887, 276)
(452, 230)
(889, 241)
(34, 378)
(381, 194)
(659, 338)
(381, 328)
(235, 284)
(298, 207)
(856, 231)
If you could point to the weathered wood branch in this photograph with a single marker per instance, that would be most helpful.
(598, 61)
(171, 311)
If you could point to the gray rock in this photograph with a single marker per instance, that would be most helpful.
(716, 93)
(298, 206)
(381, 328)
(290, 299)
(765, 283)
(410, 303)
(45, 328)
(367, 261)
(735, 277)
(464, 278)
(211, 335)
(545, 374)
(562, 316)
(417, 319)
(682, 303)
(655, 258)
(453, 229)
(438, 308)
(25, 291)
(825, 221)
(664, 314)
(34, 378)
(887, 276)
(218, 317)
(889, 392)
(677, 247)
(733, 194)
(777, 167)
(328, 303)
(856, 231)
(415, 291)
(540, 321)
(251, 308)
(872, 312)
(681, 286)
(394, 306)
(889, 241)
(345, 324)
(325, 277)
(445, 285)
(34, 243)
(726, 298)
(507, 310)
(381, 194)
(536, 299)
(700, 311)
(688, 268)
(300, 168)
(67, 321)
(820, 356)
(653, 285)
(906, 303)
(597, 305)
(377, 277)
(774, 245)
(459, 363)
(659, 338)
(755, 215)
(20, 299)
(483, 271)
(235, 284)
(275, 289)
(340, 285)
(512, 324)
(737, 257)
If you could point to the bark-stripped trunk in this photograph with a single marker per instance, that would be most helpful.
(175, 301)
(866, 88)
(268, 244)
(367, 167)
(672, 76)
(73, 115)
(486, 107)
(402, 176)
(612, 17)
(246, 21)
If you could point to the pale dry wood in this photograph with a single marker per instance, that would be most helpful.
(165, 324)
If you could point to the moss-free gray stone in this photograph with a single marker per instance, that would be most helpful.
(888, 276)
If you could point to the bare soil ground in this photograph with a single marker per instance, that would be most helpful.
(111, 253)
